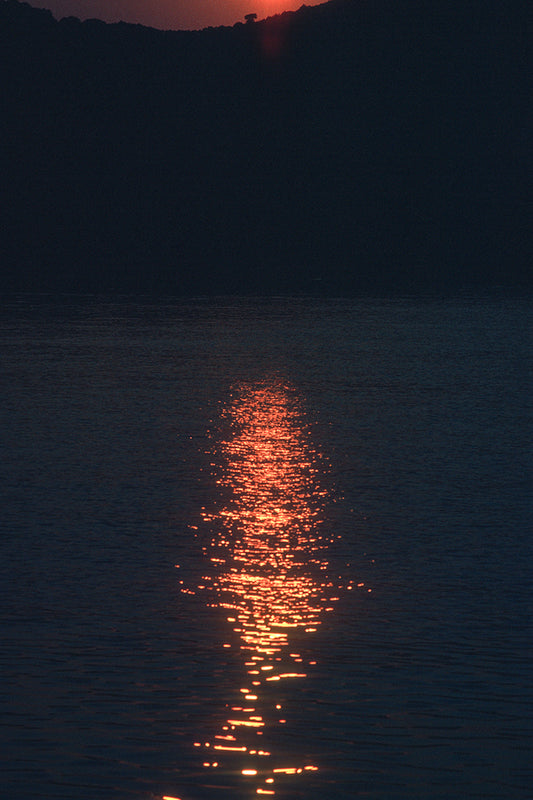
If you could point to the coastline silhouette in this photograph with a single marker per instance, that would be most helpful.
(340, 149)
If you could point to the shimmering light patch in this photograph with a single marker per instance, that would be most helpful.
(268, 570)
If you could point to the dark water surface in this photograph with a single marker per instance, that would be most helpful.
(344, 486)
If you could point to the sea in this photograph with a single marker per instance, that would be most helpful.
(271, 547)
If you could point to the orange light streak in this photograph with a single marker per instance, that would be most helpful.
(230, 749)
(246, 723)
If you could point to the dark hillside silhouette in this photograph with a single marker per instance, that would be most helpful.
(343, 148)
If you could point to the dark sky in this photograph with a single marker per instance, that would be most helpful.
(170, 14)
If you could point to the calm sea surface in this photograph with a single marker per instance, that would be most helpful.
(265, 547)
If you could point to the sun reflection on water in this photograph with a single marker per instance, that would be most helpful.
(269, 573)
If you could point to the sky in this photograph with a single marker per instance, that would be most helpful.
(170, 14)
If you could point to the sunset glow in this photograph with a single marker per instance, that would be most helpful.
(169, 14)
